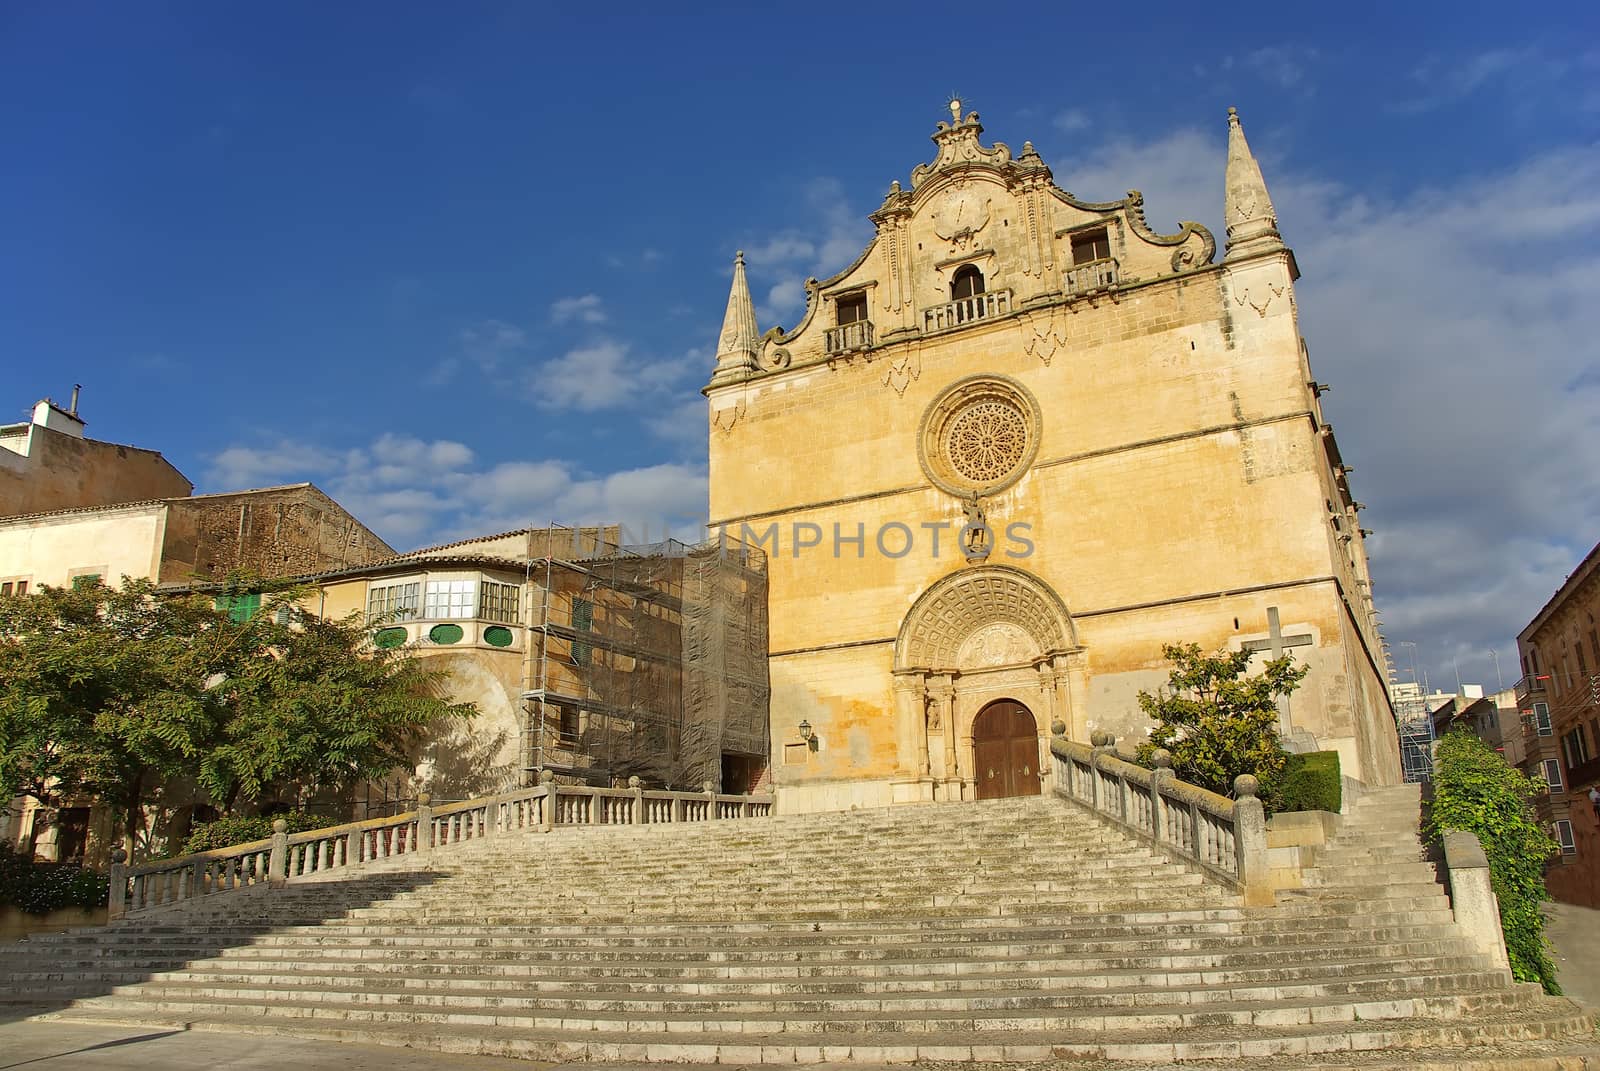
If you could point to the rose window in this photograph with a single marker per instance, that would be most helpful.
(979, 436)
(986, 440)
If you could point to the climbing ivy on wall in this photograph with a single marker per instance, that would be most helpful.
(1476, 791)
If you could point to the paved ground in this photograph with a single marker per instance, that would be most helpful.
(1574, 932)
(52, 1046)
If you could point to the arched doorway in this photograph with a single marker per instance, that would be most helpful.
(1005, 751)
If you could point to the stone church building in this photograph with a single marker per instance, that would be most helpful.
(1016, 446)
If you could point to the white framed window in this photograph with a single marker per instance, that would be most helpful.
(449, 599)
(398, 601)
(500, 602)
(1541, 719)
(1564, 837)
(1551, 770)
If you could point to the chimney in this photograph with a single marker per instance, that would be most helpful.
(73, 409)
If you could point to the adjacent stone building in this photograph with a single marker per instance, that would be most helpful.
(1559, 698)
(1016, 446)
(47, 464)
(591, 661)
(270, 531)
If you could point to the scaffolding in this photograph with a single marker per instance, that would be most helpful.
(647, 661)
(1414, 722)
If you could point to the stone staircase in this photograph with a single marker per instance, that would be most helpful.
(1018, 930)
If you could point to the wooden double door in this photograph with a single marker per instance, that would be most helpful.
(1005, 747)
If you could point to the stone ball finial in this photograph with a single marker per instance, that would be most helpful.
(547, 777)
(634, 782)
(1102, 738)
(280, 825)
(424, 798)
(1058, 728)
(1245, 786)
(1162, 758)
(118, 856)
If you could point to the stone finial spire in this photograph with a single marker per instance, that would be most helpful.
(739, 345)
(1247, 210)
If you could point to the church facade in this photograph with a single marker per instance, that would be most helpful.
(1019, 444)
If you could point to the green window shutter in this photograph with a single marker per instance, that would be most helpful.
(240, 608)
(582, 621)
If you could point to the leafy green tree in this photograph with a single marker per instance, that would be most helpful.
(1217, 722)
(98, 693)
(1475, 790)
(309, 703)
(115, 693)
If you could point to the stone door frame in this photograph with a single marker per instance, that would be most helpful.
(980, 634)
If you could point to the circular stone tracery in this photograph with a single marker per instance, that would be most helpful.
(986, 440)
(979, 436)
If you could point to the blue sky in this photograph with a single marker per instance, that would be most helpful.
(462, 267)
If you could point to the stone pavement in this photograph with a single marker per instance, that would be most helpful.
(57, 1046)
(1574, 933)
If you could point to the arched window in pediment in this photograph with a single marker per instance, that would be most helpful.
(967, 282)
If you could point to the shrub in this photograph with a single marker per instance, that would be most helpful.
(1216, 720)
(40, 888)
(1474, 790)
(238, 829)
(1310, 783)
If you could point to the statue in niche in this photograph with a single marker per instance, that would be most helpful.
(931, 711)
(976, 539)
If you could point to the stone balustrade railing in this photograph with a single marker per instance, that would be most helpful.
(1226, 838)
(986, 306)
(286, 857)
(848, 337)
(1091, 276)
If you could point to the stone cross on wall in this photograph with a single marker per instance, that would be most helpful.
(1276, 643)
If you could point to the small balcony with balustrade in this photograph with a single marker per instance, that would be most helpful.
(847, 338)
(1093, 277)
(975, 308)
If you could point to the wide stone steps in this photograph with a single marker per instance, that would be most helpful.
(1444, 1041)
(1021, 930)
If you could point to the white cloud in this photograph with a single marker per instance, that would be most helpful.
(1283, 65)
(606, 374)
(585, 309)
(484, 345)
(1466, 373)
(413, 491)
(1072, 121)
(834, 236)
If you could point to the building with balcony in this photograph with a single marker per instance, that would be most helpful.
(588, 660)
(1559, 700)
(1018, 444)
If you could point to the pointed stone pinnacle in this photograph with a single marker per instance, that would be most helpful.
(1252, 223)
(739, 344)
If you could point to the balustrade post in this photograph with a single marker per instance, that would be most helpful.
(117, 905)
(597, 807)
(638, 800)
(278, 863)
(424, 842)
(1159, 776)
(1103, 743)
(1250, 842)
(547, 814)
(679, 809)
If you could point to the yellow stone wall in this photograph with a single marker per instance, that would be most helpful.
(1183, 482)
